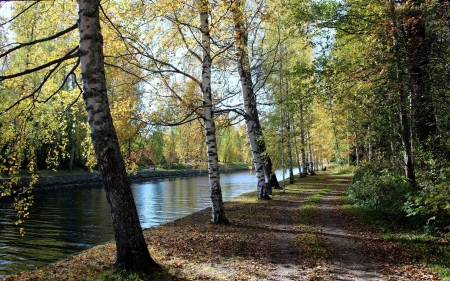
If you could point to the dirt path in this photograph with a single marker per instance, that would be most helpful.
(347, 260)
(285, 258)
(356, 251)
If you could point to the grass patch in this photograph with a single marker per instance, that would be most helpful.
(314, 247)
(431, 251)
(308, 211)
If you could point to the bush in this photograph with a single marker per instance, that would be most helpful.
(431, 202)
(382, 190)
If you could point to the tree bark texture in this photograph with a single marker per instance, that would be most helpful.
(132, 251)
(289, 147)
(218, 210)
(262, 163)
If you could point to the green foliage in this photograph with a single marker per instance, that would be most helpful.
(378, 189)
(431, 202)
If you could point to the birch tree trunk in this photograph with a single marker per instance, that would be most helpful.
(304, 170)
(132, 252)
(297, 156)
(218, 210)
(262, 163)
(311, 157)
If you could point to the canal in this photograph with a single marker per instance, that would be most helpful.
(64, 220)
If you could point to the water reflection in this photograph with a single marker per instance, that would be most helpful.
(64, 221)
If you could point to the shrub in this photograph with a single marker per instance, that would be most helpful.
(431, 202)
(382, 190)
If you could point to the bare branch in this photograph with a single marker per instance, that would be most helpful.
(20, 13)
(70, 55)
(72, 70)
(21, 45)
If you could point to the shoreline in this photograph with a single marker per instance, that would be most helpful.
(94, 179)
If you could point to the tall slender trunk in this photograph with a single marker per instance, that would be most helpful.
(282, 124)
(303, 143)
(289, 135)
(283, 170)
(311, 158)
(423, 121)
(132, 252)
(369, 145)
(73, 145)
(297, 156)
(289, 148)
(405, 130)
(356, 150)
(262, 162)
(218, 210)
(335, 131)
(347, 140)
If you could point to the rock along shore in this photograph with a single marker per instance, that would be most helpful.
(95, 178)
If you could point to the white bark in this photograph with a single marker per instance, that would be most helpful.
(132, 251)
(243, 66)
(218, 211)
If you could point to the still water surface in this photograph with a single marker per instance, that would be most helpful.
(64, 221)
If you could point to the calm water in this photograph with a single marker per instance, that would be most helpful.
(64, 221)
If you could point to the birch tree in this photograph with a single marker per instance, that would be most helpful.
(132, 252)
(261, 160)
(218, 210)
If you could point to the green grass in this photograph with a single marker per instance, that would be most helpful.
(309, 209)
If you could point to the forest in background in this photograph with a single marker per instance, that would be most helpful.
(362, 83)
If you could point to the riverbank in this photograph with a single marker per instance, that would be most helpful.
(286, 238)
(83, 179)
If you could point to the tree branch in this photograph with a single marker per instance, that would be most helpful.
(20, 13)
(21, 45)
(70, 55)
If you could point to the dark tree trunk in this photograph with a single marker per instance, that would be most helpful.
(417, 52)
(73, 146)
(405, 130)
(132, 252)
